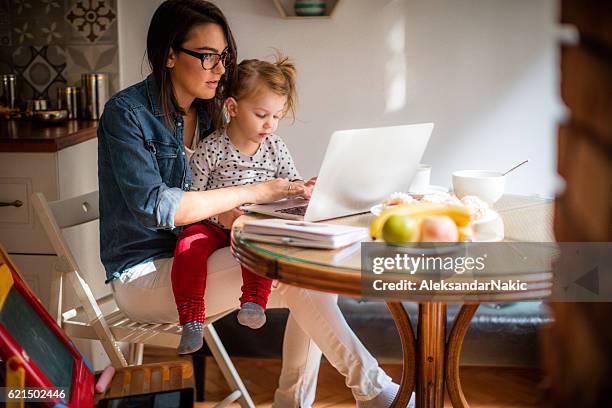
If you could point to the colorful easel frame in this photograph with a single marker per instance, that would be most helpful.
(82, 387)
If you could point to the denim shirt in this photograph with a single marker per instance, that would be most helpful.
(143, 172)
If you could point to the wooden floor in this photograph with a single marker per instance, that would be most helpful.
(484, 387)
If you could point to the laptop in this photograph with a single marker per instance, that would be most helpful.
(361, 167)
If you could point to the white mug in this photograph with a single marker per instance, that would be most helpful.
(421, 178)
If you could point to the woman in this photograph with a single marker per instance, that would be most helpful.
(144, 137)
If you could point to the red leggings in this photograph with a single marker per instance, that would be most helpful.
(189, 270)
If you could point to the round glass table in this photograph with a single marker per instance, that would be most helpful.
(430, 358)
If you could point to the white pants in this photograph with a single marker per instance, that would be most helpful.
(315, 325)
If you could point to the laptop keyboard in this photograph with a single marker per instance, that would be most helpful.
(300, 210)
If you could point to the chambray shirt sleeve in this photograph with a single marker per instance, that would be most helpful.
(285, 165)
(135, 168)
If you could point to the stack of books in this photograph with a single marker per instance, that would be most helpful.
(302, 233)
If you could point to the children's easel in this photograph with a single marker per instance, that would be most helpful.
(38, 356)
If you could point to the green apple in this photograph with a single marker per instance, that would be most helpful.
(400, 229)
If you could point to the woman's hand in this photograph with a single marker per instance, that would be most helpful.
(274, 190)
(227, 218)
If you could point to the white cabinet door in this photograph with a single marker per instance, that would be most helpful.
(37, 271)
(78, 169)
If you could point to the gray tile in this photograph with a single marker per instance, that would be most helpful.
(21, 7)
(5, 24)
(40, 24)
(53, 32)
(40, 70)
(91, 21)
(5, 6)
(52, 8)
(6, 60)
(48, 43)
(93, 58)
(23, 33)
(38, 30)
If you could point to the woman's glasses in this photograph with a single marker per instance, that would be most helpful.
(209, 60)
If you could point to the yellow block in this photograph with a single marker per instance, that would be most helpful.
(6, 283)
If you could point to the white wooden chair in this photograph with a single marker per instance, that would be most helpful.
(100, 319)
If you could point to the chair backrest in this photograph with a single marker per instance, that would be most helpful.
(77, 210)
(55, 216)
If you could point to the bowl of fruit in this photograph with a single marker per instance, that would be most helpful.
(435, 219)
(423, 222)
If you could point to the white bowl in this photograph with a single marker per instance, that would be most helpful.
(486, 185)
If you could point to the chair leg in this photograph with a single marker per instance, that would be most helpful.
(130, 354)
(234, 396)
(199, 374)
(139, 353)
(226, 366)
(55, 301)
(135, 354)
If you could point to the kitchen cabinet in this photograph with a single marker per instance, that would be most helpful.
(61, 162)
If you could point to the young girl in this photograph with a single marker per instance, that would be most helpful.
(245, 152)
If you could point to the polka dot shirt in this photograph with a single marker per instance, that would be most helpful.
(217, 163)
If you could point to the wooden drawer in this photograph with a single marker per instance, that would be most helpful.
(63, 174)
(22, 175)
(14, 201)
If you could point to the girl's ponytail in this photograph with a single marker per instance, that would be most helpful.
(289, 71)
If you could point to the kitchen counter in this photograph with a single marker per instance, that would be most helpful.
(27, 136)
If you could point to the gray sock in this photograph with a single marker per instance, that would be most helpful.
(191, 338)
(385, 398)
(251, 315)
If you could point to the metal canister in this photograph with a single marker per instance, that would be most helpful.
(8, 86)
(95, 94)
(35, 105)
(69, 98)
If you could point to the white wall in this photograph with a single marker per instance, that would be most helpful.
(485, 71)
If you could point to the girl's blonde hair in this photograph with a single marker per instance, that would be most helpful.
(279, 77)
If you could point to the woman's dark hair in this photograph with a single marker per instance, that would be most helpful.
(170, 25)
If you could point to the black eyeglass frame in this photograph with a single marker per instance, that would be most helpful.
(224, 57)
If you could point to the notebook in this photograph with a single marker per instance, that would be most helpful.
(302, 233)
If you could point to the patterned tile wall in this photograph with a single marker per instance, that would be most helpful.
(48, 44)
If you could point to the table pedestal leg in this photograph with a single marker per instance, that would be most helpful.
(431, 341)
(406, 335)
(453, 352)
(436, 361)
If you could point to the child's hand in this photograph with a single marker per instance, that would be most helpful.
(273, 190)
(227, 218)
(311, 182)
(308, 187)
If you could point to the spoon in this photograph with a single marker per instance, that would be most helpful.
(515, 167)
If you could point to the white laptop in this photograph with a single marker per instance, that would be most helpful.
(361, 168)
